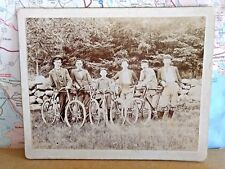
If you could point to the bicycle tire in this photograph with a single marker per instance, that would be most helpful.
(75, 116)
(52, 112)
(145, 110)
(94, 112)
(117, 113)
(132, 111)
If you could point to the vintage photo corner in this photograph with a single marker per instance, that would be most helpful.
(116, 83)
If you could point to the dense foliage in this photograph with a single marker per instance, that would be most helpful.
(103, 42)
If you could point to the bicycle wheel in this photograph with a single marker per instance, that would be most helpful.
(117, 113)
(132, 110)
(145, 110)
(75, 114)
(48, 113)
(94, 113)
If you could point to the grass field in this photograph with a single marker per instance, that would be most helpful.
(179, 133)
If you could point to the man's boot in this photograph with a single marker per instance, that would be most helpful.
(108, 114)
(170, 114)
(160, 114)
(154, 114)
(62, 116)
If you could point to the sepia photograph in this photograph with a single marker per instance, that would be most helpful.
(111, 83)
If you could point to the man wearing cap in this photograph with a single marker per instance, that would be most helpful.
(126, 78)
(60, 78)
(103, 85)
(148, 79)
(170, 79)
(81, 79)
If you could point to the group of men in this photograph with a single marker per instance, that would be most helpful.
(79, 78)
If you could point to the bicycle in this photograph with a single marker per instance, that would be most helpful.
(117, 110)
(94, 109)
(75, 112)
(50, 108)
(140, 105)
(123, 106)
(103, 106)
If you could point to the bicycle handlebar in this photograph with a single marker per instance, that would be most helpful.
(61, 89)
(104, 92)
(136, 87)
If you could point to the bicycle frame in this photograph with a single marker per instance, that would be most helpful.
(79, 93)
(54, 103)
(56, 93)
(104, 106)
(143, 96)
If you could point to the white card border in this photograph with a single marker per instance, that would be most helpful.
(199, 155)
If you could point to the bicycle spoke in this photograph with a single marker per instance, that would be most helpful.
(117, 114)
(146, 112)
(132, 112)
(48, 112)
(75, 114)
(94, 113)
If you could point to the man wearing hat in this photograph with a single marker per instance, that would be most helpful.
(170, 79)
(126, 78)
(59, 78)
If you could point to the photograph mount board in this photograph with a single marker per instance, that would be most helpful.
(129, 83)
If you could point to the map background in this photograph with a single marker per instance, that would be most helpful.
(11, 127)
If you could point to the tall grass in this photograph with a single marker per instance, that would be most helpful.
(179, 133)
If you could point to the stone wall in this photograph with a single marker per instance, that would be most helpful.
(190, 91)
(38, 94)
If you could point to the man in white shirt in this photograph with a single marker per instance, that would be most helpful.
(126, 78)
(170, 79)
(148, 79)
